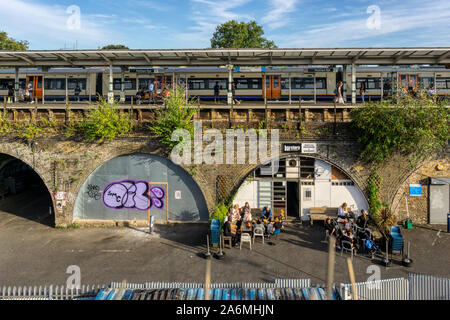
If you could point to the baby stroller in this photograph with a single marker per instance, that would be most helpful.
(370, 246)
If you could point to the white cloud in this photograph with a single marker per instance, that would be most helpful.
(431, 18)
(206, 15)
(45, 24)
(278, 15)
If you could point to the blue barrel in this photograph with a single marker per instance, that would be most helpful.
(448, 222)
(215, 231)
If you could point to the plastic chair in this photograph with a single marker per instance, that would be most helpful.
(347, 246)
(258, 232)
(245, 237)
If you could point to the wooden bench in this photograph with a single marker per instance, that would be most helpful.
(322, 213)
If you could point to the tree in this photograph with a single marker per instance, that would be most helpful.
(233, 34)
(115, 47)
(10, 44)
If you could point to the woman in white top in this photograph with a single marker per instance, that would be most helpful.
(343, 213)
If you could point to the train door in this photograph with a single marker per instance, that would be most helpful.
(36, 82)
(408, 81)
(272, 84)
(99, 84)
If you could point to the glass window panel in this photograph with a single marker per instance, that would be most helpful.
(241, 84)
(55, 84)
(196, 84)
(72, 83)
(144, 83)
(222, 83)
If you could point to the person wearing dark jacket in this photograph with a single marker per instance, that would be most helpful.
(10, 92)
(216, 92)
(227, 232)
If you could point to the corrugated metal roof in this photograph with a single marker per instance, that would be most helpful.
(311, 293)
(217, 57)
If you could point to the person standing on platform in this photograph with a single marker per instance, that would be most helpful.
(77, 91)
(30, 92)
(216, 92)
(151, 88)
(10, 92)
(362, 91)
(233, 93)
(339, 93)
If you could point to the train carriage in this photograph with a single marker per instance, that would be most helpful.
(271, 83)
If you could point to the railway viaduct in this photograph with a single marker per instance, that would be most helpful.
(65, 166)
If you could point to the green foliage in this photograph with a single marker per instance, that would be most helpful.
(233, 34)
(176, 115)
(414, 126)
(103, 122)
(31, 130)
(115, 47)
(378, 210)
(220, 212)
(10, 44)
(5, 125)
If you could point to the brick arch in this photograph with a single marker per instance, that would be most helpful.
(27, 158)
(418, 206)
(101, 161)
(350, 172)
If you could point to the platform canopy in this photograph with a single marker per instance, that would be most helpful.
(220, 57)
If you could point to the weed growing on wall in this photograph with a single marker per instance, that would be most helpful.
(103, 122)
(177, 114)
(414, 126)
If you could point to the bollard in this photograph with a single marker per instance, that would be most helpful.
(151, 224)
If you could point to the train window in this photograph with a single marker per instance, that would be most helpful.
(145, 82)
(302, 83)
(197, 84)
(371, 83)
(426, 82)
(321, 83)
(222, 83)
(55, 84)
(4, 83)
(255, 83)
(72, 83)
(284, 83)
(443, 83)
(129, 84)
(241, 84)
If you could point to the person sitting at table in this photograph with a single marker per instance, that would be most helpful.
(227, 217)
(235, 215)
(247, 216)
(266, 213)
(362, 219)
(270, 229)
(343, 215)
(259, 224)
(347, 235)
(278, 225)
(228, 232)
(246, 208)
(330, 229)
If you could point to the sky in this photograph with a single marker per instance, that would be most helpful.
(185, 24)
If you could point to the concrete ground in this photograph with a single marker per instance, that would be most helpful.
(32, 253)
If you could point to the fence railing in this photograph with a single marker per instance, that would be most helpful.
(423, 287)
(390, 289)
(415, 287)
(49, 293)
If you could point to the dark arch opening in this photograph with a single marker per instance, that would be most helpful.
(23, 192)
